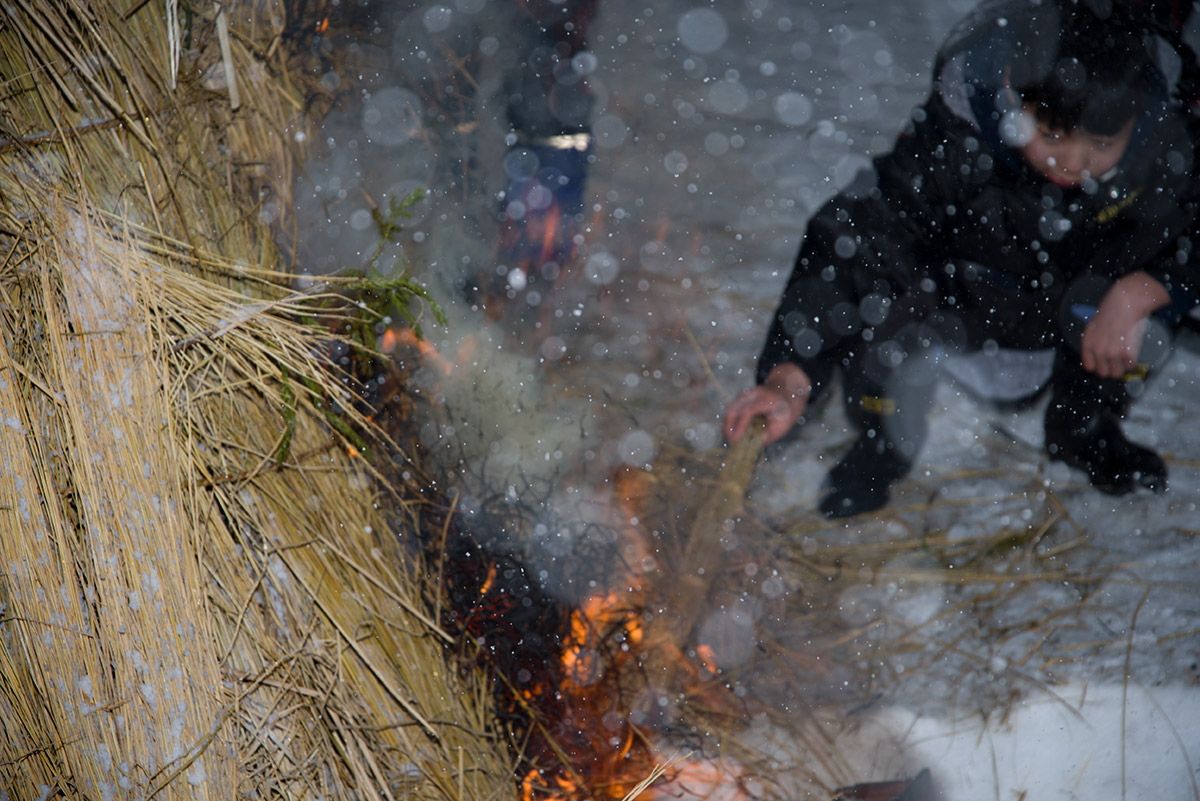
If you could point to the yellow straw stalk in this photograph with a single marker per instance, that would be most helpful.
(208, 591)
(102, 577)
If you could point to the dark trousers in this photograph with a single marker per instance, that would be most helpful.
(890, 369)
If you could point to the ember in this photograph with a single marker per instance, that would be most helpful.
(589, 681)
(556, 673)
(395, 338)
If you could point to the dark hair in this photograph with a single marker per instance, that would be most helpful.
(1096, 74)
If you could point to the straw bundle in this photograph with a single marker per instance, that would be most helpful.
(204, 594)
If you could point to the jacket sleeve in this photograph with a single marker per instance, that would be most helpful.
(1178, 269)
(1164, 233)
(874, 240)
(1177, 264)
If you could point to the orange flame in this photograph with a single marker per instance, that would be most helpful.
(551, 224)
(587, 745)
(663, 228)
(390, 340)
(599, 616)
(393, 339)
(708, 658)
(489, 581)
(536, 783)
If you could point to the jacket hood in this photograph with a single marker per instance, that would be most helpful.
(970, 72)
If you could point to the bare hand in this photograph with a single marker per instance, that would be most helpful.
(781, 399)
(1112, 339)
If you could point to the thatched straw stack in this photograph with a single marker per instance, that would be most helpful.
(204, 594)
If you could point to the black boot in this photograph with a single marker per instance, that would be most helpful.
(1083, 430)
(863, 479)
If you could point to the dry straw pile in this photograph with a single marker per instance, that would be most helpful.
(203, 593)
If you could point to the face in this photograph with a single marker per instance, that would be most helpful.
(1068, 158)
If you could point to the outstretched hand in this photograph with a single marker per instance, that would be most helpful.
(1112, 339)
(781, 399)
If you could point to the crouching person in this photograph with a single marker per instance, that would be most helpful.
(1044, 197)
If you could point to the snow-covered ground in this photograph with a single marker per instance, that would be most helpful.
(719, 128)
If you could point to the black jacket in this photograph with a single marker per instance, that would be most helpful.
(952, 200)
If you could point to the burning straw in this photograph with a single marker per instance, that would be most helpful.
(203, 589)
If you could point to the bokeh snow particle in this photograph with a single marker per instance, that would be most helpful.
(702, 30)
(845, 246)
(392, 116)
(675, 162)
(584, 62)
(864, 56)
(732, 634)
(609, 131)
(849, 166)
(553, 349)
(703, 436)
(1053, 225)
(716, 143)
(637, 448)
(1016, 128)
(656, 256)
(729, 97)
(874, 308)
(538, 197)
(763, 171)
(827, 144)
(437, 19)
(601, 268)
(521, 163)
(807, 342)
(793, 108)
(517, 279)
(859, 104)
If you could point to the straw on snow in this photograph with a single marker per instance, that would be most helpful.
(203, 595)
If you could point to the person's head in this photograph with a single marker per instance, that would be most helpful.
(1082, 84)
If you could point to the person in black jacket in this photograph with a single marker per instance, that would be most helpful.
(1045, 196)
